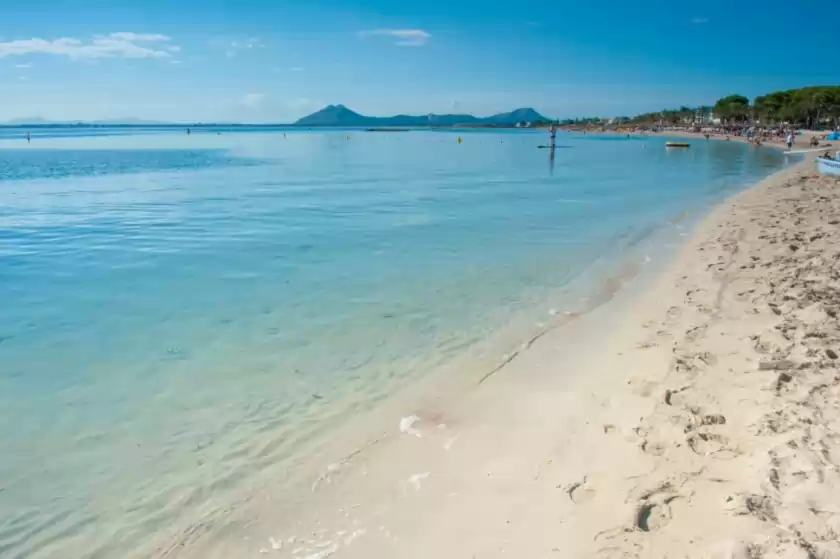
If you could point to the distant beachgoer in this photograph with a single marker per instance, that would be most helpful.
(28, 138)
(789, 140)
(707, 136)
(189, 132)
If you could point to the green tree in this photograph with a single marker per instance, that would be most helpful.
(733, 108)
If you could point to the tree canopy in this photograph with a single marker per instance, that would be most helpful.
(732, 107)
(812, 107)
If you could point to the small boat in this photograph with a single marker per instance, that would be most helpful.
(828, 166)
(677, 144)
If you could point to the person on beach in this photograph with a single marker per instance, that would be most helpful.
(789, 140)
(28, 138)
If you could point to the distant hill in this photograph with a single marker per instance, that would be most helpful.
(339, 115)
(30, 120)
(38, 121)
(519, 115)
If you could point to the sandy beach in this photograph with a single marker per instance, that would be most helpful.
(697, 418)
(801, 142)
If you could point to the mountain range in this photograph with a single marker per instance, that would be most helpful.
(339, 115)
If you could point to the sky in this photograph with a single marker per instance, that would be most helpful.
(278, 60)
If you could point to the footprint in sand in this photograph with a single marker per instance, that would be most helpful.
(581, 492)
(651, 517)
(653, 512)
(710, 444)
(653, 448)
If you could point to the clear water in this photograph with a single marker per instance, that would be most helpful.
(182, 313)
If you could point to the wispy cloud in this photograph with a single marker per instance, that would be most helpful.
(123, 44)
(23, 65)
(700, 20)
(139, 37)
(233, 47)
(402, 37)
(252, 100)
(280, 69)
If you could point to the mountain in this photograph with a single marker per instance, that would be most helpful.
(339, 115)
(334, 115)
(519, 115)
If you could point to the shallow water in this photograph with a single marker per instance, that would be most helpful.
(182, 313)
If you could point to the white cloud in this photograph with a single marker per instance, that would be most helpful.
(234, 47)
(23, 65)
(700, 20)
(138, 37)
(252, 100)
(115, 45)
(403, 37)
(296, 69)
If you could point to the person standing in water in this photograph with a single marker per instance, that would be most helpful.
(789, 140)
(28, 138)
(552, 135)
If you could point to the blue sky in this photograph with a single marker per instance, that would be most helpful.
(276, 60)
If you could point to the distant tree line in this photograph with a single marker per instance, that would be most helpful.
(811, 107)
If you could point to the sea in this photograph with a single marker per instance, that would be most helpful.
(182, 314)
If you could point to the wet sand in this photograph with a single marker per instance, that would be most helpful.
(698, 418)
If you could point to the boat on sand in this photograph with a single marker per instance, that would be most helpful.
(828, 166)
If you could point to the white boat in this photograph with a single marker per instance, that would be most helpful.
(828, 166)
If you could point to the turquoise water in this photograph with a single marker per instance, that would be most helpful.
(181, 314)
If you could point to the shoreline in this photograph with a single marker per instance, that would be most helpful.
(801, 142)
(525, 462)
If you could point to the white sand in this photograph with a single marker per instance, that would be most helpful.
(698, 420)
